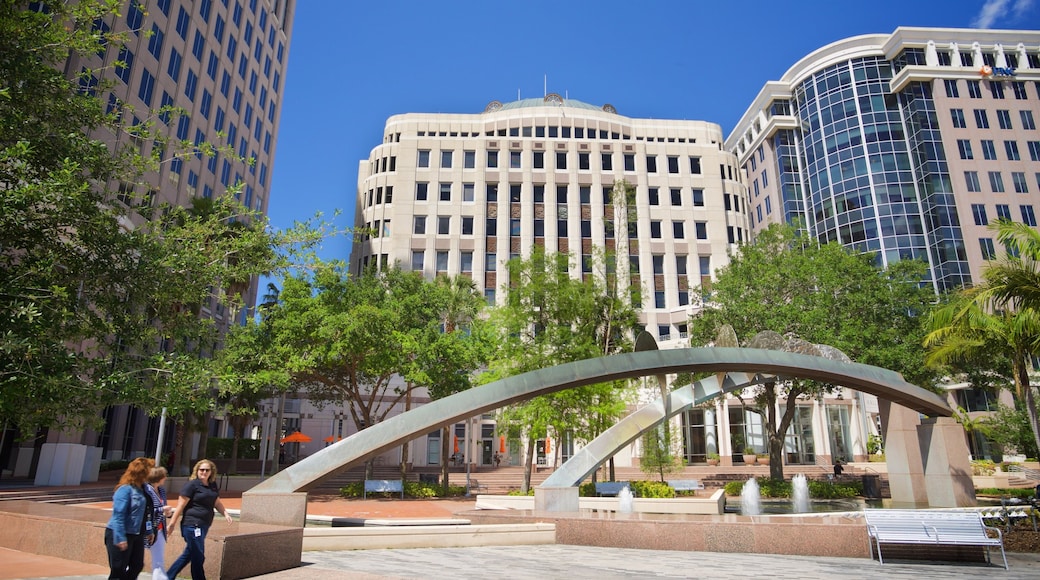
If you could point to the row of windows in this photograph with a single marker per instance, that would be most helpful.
(996, 88)
(978, 212)
(989, 150)
(554, 132)
(996, 181)
(537, 161)
(1003, 119)
(677, 197)
(381, 228)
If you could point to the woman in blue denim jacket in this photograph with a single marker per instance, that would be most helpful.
(131, 521)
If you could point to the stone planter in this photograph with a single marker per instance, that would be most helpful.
(763, 460)
(749, 459)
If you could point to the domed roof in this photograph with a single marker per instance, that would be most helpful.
(549, 100)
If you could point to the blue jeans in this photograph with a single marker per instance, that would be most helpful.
(194, 552)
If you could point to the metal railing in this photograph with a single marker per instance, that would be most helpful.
(1030, 474)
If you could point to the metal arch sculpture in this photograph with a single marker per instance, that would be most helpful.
(627, 430)
(391, 433)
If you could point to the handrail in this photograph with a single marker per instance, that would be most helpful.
(1030, 474)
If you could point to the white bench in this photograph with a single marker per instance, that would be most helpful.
(383, 486)
(934, 527)
(610, 488)
(686, 485)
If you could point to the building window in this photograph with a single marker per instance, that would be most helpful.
(630, 162)
(424, 158)
(514, 193)
(419, 225)
(996, 182)
(678, 231)
(561, 160)
(1003, 211)
(971, 179)
(981, 119)
(1034, 150)
(1019, 179)
(443, 225)
(442, 260)
(561, 228)
(421, 191)
(446, 159)
(445, 189)
(673, 164)
(651, 164)
(490, 262)
(417, 260)
(466, 261)
(978, 211)
(468, 192)
(655, 229)
(974, 90)
(698, 198)
(951, 88)
(989, 152)
(958, 118)
(467, 225)
(1011, 148)
(1004, 118)
(492, 159)
(695, 165)
(583, 161)
(538, 159)
(1027, 120)
(676, 195)
(514, 159)
(988, 251)
(997, 89)
(964, 147)
(659, 299)
(653, 197)
(606, 161)
(702, 230)
(1028, 217)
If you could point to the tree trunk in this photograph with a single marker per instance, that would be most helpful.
(528, 462)
(1023, 387)
(445, 447)
(178, 451)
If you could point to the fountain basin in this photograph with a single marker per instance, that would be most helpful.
(714, 504)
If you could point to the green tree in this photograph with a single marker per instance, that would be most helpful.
(659, 457)
(1010, 429)
(821, 294)
(552, 318)
(1000, 315)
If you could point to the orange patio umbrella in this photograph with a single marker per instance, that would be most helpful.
(456, 443)
(296, 437)
(502, 444)
(332, 438)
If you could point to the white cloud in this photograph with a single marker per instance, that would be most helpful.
(993, 10)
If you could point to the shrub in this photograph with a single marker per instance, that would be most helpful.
(587, 490)
(983, 467)
(1020, 493)
(220, 448)
(412, 489)
(530, 491)
(651, 489)
(771, 488)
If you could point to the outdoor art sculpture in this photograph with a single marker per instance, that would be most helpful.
(280, 499)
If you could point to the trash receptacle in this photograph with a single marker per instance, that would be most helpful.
(428, 478)
(871, 486)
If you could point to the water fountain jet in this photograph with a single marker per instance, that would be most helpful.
(751, 498)
(800, 494)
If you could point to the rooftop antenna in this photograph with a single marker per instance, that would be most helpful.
(545, 85)
(518, 94)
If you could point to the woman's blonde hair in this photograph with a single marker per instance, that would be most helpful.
(157, 474)
(212, 470)
(137, 472)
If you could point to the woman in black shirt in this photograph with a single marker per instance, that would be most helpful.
(198, 498)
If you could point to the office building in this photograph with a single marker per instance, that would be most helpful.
(906, 144)
(223, 63)
(450, 194)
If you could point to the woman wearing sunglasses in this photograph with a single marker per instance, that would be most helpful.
(194, 510)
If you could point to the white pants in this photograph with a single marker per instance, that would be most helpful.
(158, 551)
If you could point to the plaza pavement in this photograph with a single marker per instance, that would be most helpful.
(544, 562)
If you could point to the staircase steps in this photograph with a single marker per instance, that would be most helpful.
(70, 496)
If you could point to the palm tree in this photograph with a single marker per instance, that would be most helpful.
(971, 328)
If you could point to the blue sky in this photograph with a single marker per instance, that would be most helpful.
(354, 64)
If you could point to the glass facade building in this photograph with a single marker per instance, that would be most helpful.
(869, 142)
